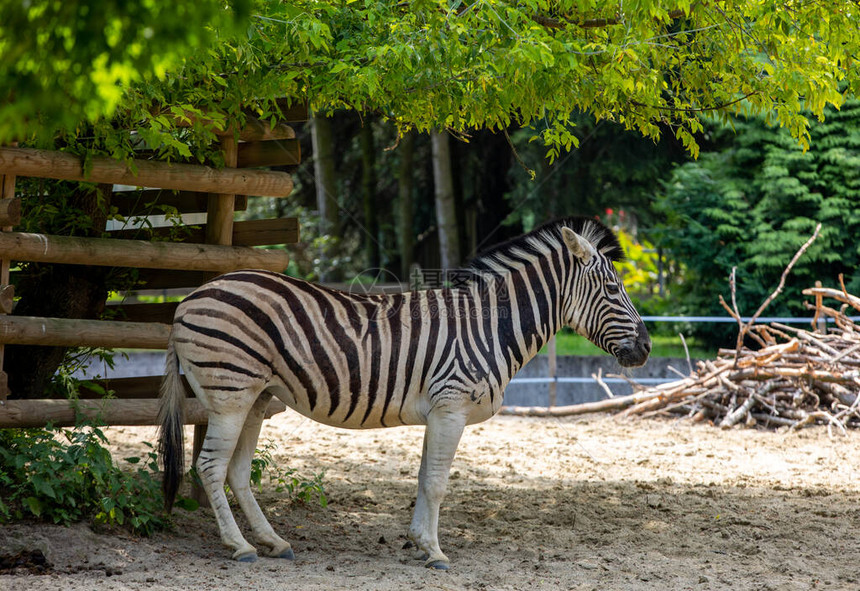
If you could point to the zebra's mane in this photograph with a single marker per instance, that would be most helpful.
(602, 238)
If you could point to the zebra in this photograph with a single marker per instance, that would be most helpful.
(438, 357)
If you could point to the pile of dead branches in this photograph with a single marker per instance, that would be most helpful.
(793, 377)
(796, 378)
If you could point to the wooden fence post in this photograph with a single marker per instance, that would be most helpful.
(219, 230)
(7, 291)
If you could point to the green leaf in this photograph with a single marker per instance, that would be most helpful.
(34, 505)
(187, 504)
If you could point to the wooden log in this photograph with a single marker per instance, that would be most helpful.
(68, 332)
(143, 312)
(159, 279)
(253, 130)
(219, 215)
(12, 208)
(137, 253)
(845, 298)
(64, 413)
(271, 153)
(257, 131)
(291, 110)
(616, 403)
(145, 173)
(10, 212)
(134, 203)
(266, 232)
(247, 233)
(7, 299)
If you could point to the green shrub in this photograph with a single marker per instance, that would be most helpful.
(66, 475)
(751, 205)
(297, 487)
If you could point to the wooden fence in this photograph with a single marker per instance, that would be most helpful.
(217, 247)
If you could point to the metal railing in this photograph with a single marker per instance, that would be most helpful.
(554, 379)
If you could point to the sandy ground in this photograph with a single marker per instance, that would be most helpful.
(590, 503)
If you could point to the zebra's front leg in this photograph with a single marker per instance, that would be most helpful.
(444, 429)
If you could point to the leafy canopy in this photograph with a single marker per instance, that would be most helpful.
(647, 64)
(65, 62)
(753, 203)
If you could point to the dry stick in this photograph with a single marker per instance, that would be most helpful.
(686, 352)
(679, 373)
(633, 383)
(739, 413)
(733, 311)
(845, 353)
(745, 328)
(616, 403)
(598, 377)
(841, 296)
(672, 407)
(852, 301)
(806, 336)
(778, 420)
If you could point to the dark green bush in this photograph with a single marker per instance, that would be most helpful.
(752, 204)
(67, 475)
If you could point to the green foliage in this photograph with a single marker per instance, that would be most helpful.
(497, 63)
(639, 269)
(427, 64)
(297, 487)
(754, 203)
(663, 345)
(611, 167)
(65, 475)
(65, 62)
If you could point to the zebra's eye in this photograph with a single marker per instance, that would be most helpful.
(612, 288)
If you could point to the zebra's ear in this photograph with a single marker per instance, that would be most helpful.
(579, 246)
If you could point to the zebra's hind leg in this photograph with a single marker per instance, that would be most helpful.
(444, 429)
(239, 476)
(222, 435)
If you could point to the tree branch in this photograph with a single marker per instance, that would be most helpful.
(593, 23)
(746, 327)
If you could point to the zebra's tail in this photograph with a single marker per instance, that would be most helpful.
(171, 417)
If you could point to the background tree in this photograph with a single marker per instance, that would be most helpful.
(72, 62)
(752, 203)
(434, 64)
(81, 75)
(446, 210)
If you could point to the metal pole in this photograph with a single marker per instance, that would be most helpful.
(552, 366)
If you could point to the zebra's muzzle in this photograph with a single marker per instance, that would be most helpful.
(634, 353)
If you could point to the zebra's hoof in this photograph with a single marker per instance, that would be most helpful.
(287, 554)
(245, 557)
(438, 565)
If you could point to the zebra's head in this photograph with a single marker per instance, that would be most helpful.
(596, 304)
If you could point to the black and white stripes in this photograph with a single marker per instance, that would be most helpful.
(362, 361)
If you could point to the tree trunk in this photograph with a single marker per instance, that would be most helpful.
(60, 291)
(405, 184)
(489, 191)
(322, 139)
(325, 179)
(446, 210)
(368, 195)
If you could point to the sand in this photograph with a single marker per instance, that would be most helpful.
(586, 503)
